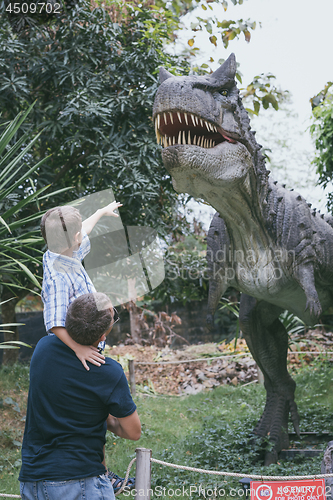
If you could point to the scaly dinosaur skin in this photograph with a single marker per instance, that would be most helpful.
(264, 241)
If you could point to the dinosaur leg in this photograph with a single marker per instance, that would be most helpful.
(268, 342)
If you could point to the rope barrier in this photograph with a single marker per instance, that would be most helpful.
(213, 358)
(189, 360)
(126, 477)
(236, 474)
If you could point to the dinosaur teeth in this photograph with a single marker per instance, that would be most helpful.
(166, 119)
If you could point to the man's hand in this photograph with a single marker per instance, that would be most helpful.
(109, 209)
(89, 353)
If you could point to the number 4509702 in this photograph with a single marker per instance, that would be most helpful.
(33, 8)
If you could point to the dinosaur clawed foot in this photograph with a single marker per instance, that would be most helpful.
(273, 424)
(314, 307)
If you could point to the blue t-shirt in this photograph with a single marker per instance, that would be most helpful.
(66, 414)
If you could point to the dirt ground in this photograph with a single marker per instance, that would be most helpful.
(184, 371)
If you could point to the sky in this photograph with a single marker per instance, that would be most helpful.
(294, 43)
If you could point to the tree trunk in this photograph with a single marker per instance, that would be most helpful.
(134, 322)
(10, 356)
(133, 312)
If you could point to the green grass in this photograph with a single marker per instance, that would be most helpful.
(210, 430)
(14, 384)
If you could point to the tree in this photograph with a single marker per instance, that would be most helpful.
(322, 132)
(94, 82)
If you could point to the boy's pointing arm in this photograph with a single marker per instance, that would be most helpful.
(89, 223)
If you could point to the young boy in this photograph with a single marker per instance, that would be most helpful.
(64, 277)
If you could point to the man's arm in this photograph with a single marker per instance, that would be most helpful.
(83, 352)
(126, 427)
(89, 223)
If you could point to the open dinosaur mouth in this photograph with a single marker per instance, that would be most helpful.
(176, 127)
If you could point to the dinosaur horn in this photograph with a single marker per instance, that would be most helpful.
(164, 74)
(227, 70)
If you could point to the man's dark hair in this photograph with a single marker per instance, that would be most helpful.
(88, 317)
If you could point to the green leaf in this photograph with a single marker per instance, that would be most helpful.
(17, 342)
(213, 40)
(5, 224)
(256, 105)
(28, 272)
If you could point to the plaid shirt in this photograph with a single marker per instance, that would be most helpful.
(64, 279)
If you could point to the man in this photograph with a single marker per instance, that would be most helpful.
(70, 409)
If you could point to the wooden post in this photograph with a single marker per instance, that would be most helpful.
(142, 474)
(131, 371)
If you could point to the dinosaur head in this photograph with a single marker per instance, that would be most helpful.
(204, 130)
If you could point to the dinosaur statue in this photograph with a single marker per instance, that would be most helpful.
(263, 240)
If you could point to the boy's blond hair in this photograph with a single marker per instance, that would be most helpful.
(59, 226)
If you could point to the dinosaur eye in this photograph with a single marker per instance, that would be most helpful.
(224, 92)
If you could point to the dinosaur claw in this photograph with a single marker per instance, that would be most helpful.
(314, 307)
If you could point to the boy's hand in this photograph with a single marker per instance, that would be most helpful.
(89, 353)
(109, 209)
(89, 223)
